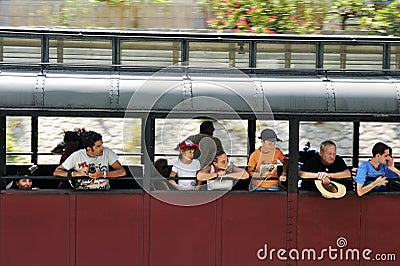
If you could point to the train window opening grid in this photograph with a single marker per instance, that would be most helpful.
(395, 57)
(286, 56)
(281, 128)
(80, 52)
(150, 53)
(128, 146)
(373, 132)
(234, 54)
(330, 130)
(121, 51)
(20, 50)
(353, 57)
(340, 132)
(18, 140)
(232, 133)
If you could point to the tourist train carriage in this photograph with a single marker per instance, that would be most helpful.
(135, 223)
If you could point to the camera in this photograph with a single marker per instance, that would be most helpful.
(92, 168)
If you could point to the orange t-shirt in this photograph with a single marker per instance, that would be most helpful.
(257, 158)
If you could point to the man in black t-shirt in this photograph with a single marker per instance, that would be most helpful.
(324, 167)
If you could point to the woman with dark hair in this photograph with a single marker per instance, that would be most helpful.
(72, 142)
(221, 167)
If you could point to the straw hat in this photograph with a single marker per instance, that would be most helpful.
(332, 190)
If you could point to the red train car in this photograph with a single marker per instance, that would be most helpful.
(140, 223)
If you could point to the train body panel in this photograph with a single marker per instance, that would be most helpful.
(237, 229)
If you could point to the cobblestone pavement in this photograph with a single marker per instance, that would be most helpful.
(232, 134)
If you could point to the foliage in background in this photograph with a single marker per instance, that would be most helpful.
(263, 16)
(11, 144)
(69, 13)
(307, 16)
(350, 13)
(123, 2)
(248, 16)
(385, 20)
(133, 141)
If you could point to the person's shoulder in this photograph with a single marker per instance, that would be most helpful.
(206, 169)
(192, 137)
(178, 162)
(339, 158)
(195, 137)
(365, 164)
(383, 166)
(216, 138)
(196, 162)
(73, 158)
(258, 150)
(365, 167)
(81, 152)
(314, 161)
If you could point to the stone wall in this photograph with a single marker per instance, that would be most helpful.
(176, 14)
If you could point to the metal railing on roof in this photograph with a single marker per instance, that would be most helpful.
(116, 49)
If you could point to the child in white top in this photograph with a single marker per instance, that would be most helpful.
(186, 167)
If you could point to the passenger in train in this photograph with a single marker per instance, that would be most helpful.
(24, 182)
(263, 163)
(207, 150)
(306, 152)
(96, 162)
(161, 166)
(327, 165)
(221, 167)
(373, 174)
(72, 142)
(186, 167)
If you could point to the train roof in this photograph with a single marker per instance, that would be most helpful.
(183, 90)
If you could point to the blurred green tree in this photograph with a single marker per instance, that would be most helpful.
(11, 143)
(384, 19)
(302, 17)
(131, 1)
(267, 16)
